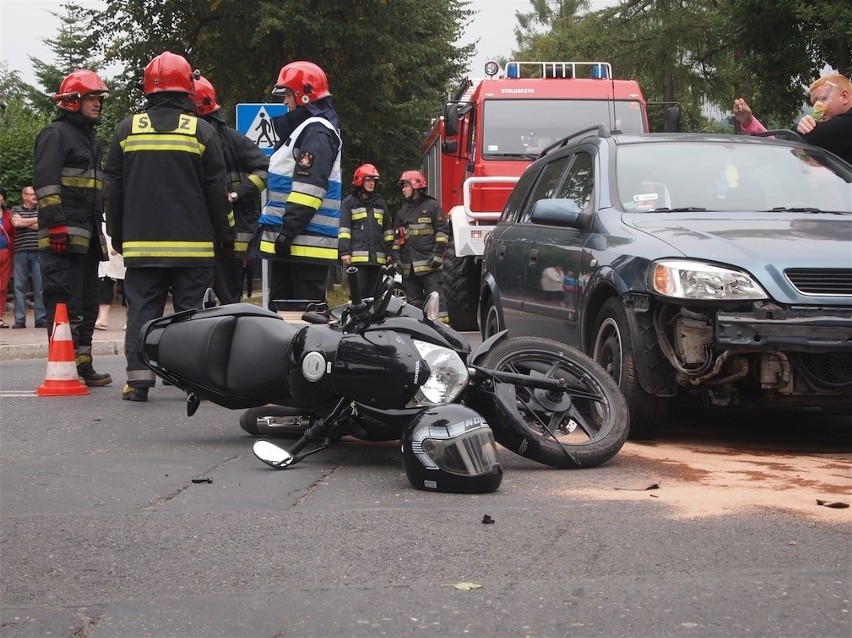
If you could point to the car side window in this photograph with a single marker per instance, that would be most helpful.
(580, 181)
(513, 207)
(547, 184)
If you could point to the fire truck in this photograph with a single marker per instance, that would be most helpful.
(487, 134)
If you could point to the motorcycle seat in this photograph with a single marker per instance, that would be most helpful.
(234, 352)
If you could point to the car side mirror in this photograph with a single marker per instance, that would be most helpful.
(555, 212)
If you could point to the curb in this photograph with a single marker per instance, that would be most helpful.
(14, 352)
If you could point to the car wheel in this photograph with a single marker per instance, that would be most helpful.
(492, 322)
(612, 348)
(460, 281)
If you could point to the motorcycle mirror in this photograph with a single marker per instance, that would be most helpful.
(272, 455)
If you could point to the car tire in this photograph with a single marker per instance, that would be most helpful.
(491, 326)
(612, 348)
(461, 290)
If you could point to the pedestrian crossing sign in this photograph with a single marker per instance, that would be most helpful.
(255, 122)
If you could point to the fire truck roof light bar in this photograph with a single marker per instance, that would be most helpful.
(557, 70)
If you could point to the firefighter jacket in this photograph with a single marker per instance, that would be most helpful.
(304, 193)
(68, 181)
(166, 188)
(366, 228)
(247, 168)
(422, 233)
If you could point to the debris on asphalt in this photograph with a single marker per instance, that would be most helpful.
(206, 479)
(652, 486)
(487, 520)
(838, 505)
(464, 586)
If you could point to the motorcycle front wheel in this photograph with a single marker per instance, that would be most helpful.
(582, 427)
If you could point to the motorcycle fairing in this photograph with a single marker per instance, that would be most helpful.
(379, 368)
(231, 355)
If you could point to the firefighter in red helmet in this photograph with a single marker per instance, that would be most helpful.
(167, 205)
(366, 229)
(247, 168)
(421, 238)
(299, 222)
(68, 181)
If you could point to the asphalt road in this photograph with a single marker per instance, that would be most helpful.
(104, 532)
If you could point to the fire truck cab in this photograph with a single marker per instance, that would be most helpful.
(487, 134)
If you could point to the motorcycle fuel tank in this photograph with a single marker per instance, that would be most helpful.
(380, 368)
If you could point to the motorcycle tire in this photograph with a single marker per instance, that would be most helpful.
(583, 428)
(275, 421)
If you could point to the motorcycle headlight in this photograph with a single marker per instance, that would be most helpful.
(694, 280)
(448, 376)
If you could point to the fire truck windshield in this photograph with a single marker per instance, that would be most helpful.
(524, 128)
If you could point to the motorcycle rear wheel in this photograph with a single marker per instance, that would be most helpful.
(275, 421)
(584, 428)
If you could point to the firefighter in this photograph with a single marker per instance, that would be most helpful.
(167, 206)
(366, 229)
(68, 181)
(247, 173)
(421, 239)
(300, 219)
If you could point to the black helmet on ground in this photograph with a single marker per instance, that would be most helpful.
(450, 448)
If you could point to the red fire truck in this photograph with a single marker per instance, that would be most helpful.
(487, 134)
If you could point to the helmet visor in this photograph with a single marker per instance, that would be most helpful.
(469, 454)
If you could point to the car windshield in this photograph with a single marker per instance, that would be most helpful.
(718, 176)
(545, 122)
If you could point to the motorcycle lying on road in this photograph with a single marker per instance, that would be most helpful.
(367, 369)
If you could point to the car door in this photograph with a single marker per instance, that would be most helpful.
(551, 288)
(507, 248)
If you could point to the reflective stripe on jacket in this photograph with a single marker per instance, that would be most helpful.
(68, 181)
(311, 198)
(167, 200)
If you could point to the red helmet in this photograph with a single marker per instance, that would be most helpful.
(75, 86)
(168, 72)
(305, 79)
(365, 170)
(205, 97)
(415, 178)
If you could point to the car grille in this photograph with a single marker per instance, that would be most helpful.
(821, 281)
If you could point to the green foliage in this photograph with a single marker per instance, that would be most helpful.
(389, 63)
(700, 53)
(19, 126)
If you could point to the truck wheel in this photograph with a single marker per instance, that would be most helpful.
(461, 290)
(612, 348)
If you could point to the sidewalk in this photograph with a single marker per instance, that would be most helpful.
(32, 343)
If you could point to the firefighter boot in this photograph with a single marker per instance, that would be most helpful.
(86, 371)
(129, 393)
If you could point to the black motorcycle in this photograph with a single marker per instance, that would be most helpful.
(368, 368)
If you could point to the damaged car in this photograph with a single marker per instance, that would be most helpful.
(713, 266)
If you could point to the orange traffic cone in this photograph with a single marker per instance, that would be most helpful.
(61, 379)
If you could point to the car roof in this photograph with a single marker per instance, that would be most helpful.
(599, 135)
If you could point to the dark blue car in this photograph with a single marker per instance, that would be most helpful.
(710, 265)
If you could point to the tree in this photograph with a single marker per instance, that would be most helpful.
(389, 63)
(781, 49)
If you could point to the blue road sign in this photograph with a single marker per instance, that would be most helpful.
(255, 122)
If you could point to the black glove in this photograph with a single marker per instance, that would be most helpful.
(282, 245)
(435, 262)
(227, 247)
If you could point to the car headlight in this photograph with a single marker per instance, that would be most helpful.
(684, 279)
(448, 376)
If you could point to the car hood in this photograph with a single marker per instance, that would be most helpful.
(811, 240)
